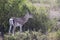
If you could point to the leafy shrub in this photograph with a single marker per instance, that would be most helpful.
(13, 8)
(25, 36)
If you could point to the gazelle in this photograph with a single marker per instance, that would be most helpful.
(15, 22)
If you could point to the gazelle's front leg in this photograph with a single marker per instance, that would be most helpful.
(14, 30)
(20, 28)
(10, 29)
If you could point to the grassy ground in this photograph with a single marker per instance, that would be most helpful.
(33, 36)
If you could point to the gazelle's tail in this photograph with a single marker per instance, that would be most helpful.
(11, 21)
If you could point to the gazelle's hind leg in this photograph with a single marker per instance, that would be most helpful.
(10, 29)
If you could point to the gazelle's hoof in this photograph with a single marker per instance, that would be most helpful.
(12, 34)
(9, 33)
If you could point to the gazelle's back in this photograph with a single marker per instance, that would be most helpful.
(19, 20)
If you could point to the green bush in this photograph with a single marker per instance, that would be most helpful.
(13, 8)
(25, 36)
(33, 36)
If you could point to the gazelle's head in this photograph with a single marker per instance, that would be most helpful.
(29, 15)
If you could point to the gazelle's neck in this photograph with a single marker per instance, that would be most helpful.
(26, 18)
